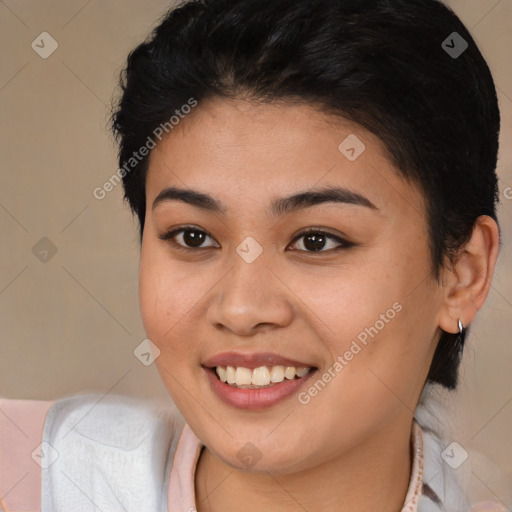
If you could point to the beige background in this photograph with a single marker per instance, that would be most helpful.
(70, 324)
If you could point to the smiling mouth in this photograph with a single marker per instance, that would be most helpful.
(261, 377)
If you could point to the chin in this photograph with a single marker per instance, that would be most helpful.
(260, 457)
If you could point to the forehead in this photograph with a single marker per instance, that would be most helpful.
(244, 153)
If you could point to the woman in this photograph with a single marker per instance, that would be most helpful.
(316, 192)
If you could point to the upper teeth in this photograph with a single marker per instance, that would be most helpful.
(261, 376)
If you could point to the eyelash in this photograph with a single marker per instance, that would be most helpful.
(171, 234)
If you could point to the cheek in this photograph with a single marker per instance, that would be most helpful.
(344, 302)
(384, 361)
(150, 294)
(165, 303)
(378, 320)
(158, 296)
(169, 298)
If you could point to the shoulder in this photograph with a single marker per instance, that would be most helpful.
(85, 434)
(119, 449)
(21, 427)
(118, 421)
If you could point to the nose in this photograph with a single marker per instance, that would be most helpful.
(250, 299)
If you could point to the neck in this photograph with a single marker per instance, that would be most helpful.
(371, 476)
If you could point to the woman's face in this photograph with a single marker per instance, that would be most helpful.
(242, 286)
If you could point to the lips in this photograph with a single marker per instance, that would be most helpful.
(253, 360)
(255, 399)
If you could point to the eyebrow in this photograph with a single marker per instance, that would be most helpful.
(279, 207)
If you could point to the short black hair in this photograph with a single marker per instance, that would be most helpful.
(394, 67)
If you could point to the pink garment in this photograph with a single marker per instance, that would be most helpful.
(21, 428)
(181, 494)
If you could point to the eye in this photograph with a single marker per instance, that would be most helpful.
(315, 240)
(190, 236)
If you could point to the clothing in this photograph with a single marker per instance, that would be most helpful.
(117, 453)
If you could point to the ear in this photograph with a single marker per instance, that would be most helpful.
(466, 283)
